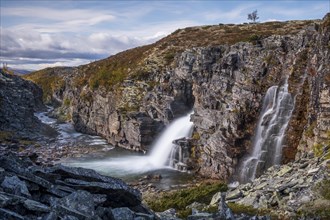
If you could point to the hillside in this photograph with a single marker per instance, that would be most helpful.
(141, 62)
(221, 71)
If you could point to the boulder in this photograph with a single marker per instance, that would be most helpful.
(36, 206)
(16, 186)
(123, 214)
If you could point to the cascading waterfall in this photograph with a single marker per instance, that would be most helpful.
(158, 158)
(277, 108)
(179, 128)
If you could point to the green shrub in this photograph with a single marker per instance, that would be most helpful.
(169, 57)
(254, 38)
(66, 102)
(318, 149)
(196, 136)
(238, 209)
(184, 197)
(323, 188)
(310, 130)
(5, 135)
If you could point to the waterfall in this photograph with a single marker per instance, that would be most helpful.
(179, 128)
(157, 159)
(276, 112)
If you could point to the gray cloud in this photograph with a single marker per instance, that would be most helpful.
(36, 48)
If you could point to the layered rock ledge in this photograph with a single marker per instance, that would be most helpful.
(299, 189)
(28, 191)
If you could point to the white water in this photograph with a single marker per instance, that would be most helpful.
(276, 112)
(157, 159)
(68, 135)
(161, 150)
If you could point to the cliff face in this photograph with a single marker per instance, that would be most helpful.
(223, 84)
(19, 99)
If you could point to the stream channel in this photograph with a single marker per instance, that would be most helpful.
(112, 161)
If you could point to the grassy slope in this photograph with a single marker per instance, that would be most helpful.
(139, 62)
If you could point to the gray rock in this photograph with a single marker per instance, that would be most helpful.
(287, 185)
(69, 217)
(16, 186)
(224, 211)
(4, 200)
(235, 194)
(143, 216)
(200, 215)
(215, 199)
(168, 214)
(50, 216)
(19, 99)
(197, 205)
(79, 201)
(104, 213)
(7, 214)
(35, 206)
(284, 170)
(123, 214)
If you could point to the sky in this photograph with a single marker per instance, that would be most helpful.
(40, 34)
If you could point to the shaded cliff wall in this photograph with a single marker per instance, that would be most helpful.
(19, 99)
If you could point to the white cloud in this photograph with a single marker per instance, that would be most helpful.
(47, 36)
(60, 14)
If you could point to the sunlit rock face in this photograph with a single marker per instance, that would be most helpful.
(229, 84)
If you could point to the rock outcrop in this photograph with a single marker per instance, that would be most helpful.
(59, 192)
(19, 99)
(297, 189)
(224, 83)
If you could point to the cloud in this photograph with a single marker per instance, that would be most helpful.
(33, 47)
(73, 34)
(35, 64)
(81, 16)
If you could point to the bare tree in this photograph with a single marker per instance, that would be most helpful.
(253, 16)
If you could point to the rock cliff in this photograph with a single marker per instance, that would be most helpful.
(19, 99)
(222, 72)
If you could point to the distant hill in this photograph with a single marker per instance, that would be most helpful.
(17, 71)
